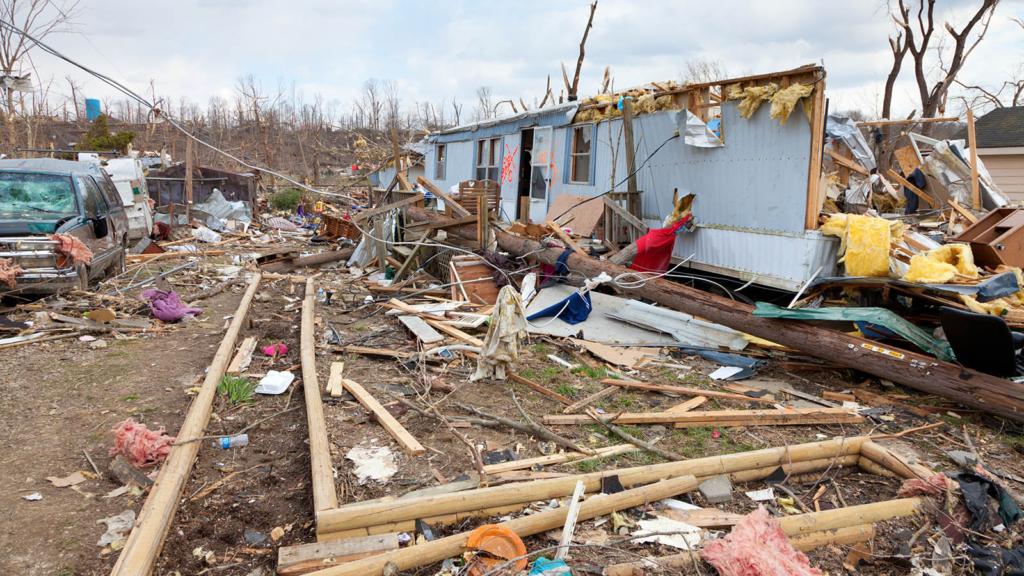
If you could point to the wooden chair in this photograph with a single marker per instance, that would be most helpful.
(470, 190)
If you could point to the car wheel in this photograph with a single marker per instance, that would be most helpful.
(83, 277)
(118, 266)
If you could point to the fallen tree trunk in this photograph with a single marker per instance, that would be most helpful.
(997, 396)
(309, 261)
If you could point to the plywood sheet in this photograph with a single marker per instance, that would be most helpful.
(907, 158)
(585, 217)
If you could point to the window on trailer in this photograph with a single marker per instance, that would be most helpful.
(582, 137)
(488, 159)
(439, 166)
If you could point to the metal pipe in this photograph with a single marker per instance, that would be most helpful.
(153, 279)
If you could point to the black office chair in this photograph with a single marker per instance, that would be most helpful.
(983, 342)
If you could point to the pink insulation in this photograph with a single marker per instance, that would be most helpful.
(9, 272)
(757, 546)
(935, 486)
(68, 245)
(139, 445)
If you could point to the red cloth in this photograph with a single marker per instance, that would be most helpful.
(654, 249)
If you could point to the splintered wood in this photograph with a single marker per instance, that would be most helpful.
(397, 431)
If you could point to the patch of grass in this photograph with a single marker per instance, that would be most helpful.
(287, 200)
(627, 400)
(566, 390)
(541, 349)
(695, 378)
(127, 398)
(238, 389)
(589, 465)
(599, 373)
(361, 327)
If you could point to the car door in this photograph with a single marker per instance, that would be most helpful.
(96, 209)
(117, 217)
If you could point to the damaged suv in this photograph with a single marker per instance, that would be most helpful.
(43, 197)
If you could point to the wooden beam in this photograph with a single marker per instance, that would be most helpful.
(565, 238)
(362, 216)
(973, 143)
(920, 193)
(955, 204)
(592, 398)
(146, 539)
(305, 558)
(403, 182)
(788, 416)
(639, 224)
(524, 210)
(575, 457)
(688, 405)
(448, 200)
(815, 198)
(627, 130)
(424, 238)
(324, 492)
(482, 220)
(844, 161)
(367, 351)
(334, 382)
(682, 390)
(414, 556)
(908, 121)
(407, 441)
(439, 225)
(540, 388)
(456, 333)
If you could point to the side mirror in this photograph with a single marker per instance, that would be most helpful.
(100, 227)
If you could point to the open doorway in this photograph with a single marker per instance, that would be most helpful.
(525, 158)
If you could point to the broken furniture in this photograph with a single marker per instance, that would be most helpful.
(997, 238)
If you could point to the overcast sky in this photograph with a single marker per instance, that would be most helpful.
(445, 48)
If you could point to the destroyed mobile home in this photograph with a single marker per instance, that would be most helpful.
(506, 368)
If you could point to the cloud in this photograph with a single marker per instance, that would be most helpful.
(196, 49)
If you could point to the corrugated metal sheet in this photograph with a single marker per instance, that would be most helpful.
(558, 115)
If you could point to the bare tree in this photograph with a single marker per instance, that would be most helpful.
(392, 106)
(700, 70)
(484, 108)
(251, 91)
(38, 18)
(986, 97)
(579, 63)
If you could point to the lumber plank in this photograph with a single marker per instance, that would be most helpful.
(334, 382)
(421, 329)
(397, 431)
(720, 417)
(362, 515)
(362, 216)
(366, 351)
(955, 204)
(540, 389)
(688, 405)
(559, 458)
(557, 230)
(294, 560)
(840, 396)
(920, 193)
(681, 390)
(325, 494)
(592, 398)
(448, 200)
(844, 161)
(633, 220)
(973, 143)
(243, 356)
(455, 333)
(146, 539)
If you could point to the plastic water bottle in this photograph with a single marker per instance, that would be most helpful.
(232, 441)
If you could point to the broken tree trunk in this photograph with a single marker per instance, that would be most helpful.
(146, 539)
(997, 396)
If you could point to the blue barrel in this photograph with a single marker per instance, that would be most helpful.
(92, 109)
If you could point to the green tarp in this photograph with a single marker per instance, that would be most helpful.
(880, 316)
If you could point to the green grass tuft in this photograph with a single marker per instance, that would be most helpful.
(238, 389)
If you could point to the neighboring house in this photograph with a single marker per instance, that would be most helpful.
(1000, 135)
(757, 196)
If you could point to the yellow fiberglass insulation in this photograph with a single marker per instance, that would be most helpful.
(865, 243)
(940, 265)
(785, 100)
(996, 307)
(753, 97)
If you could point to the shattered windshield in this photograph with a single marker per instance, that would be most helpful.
(25, 195)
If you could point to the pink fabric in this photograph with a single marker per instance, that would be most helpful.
(934, 486)
(139, 445)
(278, 349)
(167, 306)
(73, 247)
(757, 546)
(281, 224)
(9, 272)
(654, 249)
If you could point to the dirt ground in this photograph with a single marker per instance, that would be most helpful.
(63, 397)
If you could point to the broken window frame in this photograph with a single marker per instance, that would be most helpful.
(439, 161)
(540, 163)
(488, 159)
(574, 155)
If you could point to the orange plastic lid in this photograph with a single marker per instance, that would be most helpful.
(497, 541)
